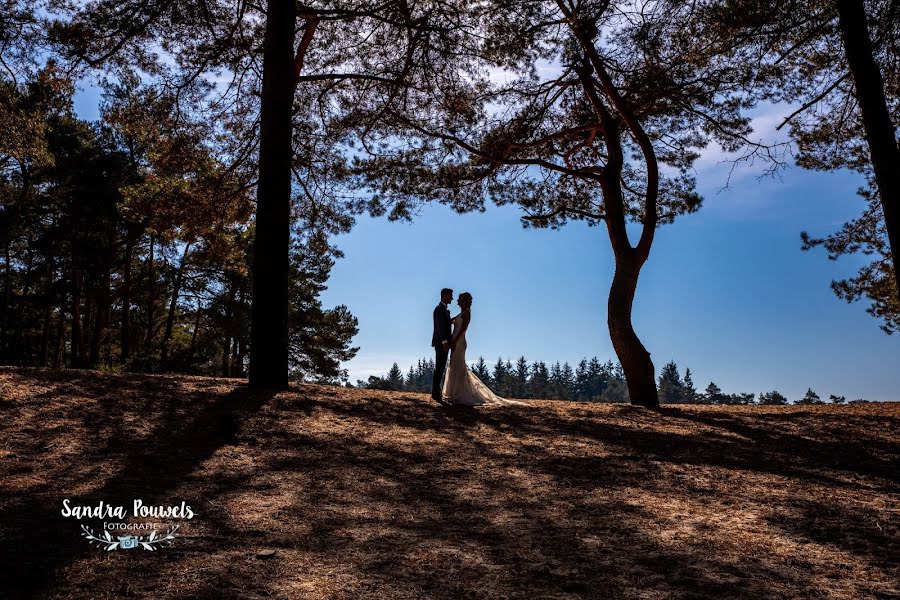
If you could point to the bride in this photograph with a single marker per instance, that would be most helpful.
(461, 386)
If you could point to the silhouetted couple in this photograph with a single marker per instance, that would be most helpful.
(460, 385)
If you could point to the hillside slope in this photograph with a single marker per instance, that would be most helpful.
(366, 494)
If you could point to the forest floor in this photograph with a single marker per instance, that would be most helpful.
(323, 492)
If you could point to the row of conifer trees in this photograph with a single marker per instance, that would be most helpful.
(590, 381)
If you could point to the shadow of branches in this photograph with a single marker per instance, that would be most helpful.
(365, 494)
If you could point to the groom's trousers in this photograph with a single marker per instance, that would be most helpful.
(440, 365)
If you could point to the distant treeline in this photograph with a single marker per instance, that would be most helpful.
(590, 381)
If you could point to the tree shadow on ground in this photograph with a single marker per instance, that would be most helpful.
(370, 495)
(112, 465)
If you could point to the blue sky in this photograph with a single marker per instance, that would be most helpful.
(726, 292)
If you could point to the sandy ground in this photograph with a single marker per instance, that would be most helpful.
(366, 494)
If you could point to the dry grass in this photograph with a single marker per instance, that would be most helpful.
(367, 494)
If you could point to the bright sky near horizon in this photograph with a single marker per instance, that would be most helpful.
(726, 292)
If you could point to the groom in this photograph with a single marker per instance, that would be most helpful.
(440, 339)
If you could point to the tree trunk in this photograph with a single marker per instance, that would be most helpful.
(87, 314)
(17, 347)
(876, 119)
(126, 298)
(634, 358)
(75, 346)
(173, 306)
(152, 297)
(59, 358)
(4, 333)
(241, 344)
(197, 317)
(226, 356)
(229, 328)
(269, 311)
(101, 319)
(236, 362)
(48, 314)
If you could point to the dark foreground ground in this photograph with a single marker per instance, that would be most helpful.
(364, 494)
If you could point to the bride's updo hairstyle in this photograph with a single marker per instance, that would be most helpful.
(466, 297)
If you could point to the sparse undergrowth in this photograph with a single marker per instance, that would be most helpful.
(368, 494)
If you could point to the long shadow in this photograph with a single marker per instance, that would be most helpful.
(544, 553)
(377, 510)
(764, 449)
(833, 463)
(839, 453)
(37, 540)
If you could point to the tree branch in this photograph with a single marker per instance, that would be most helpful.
(815, 100)
(308, 31)
(563, 211)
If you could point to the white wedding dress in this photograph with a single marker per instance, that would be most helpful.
(461, 386)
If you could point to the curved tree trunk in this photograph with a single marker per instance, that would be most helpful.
(633, 356)
(592, 72)
(269, 311)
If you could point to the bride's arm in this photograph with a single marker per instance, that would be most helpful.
(466, 317)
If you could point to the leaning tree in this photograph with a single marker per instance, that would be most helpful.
(589, 111)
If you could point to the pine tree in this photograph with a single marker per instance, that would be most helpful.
(539, 383)
(772, 398)
(483, 373)
(616, 392)
(519, 378)
(810, 398)
(395, 377)
(555, 388)
(689, 392)
(567, 382)
(500, 378)
(739, 398)
(598, 378)
(670, 384)
(713, 394)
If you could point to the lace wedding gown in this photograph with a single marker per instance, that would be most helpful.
(461, 386)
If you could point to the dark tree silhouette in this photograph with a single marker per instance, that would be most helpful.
(836, 59)
(294, 85)
(127, 243)
(269, 316)
(586, 143)
(772, 398)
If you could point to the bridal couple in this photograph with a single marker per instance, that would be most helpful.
(461, 386)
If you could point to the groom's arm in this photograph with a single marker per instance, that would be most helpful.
(441, 324)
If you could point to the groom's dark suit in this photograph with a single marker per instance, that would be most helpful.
(441, 334)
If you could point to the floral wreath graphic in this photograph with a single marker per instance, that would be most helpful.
(129, 542)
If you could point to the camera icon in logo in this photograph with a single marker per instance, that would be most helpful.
(128, 542)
